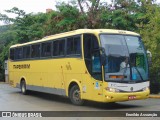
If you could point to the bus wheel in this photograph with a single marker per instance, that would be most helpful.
(23, 87)
(75, 95)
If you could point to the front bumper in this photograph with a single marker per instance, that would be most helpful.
(118, 97)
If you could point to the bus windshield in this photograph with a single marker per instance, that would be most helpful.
(126, 58)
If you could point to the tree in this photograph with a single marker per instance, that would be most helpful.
(151, 34)
(92, 9)
(23, 28)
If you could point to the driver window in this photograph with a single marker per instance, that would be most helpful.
(92, 56)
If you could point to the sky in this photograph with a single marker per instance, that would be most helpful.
(32, 5)
(29, 6)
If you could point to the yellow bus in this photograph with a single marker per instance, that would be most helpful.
(102, 65)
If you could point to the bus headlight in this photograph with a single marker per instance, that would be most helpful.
(111, 89)
(146, 88)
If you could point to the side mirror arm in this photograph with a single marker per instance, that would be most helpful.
(103, 56)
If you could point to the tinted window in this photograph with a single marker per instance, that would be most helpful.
(73, 45)
(26, 52)
(18, 53)
(92, 56)
(35, 51)
(90, 44)
(77, 45)
(61, 47)
(70, 46)
(55, 48)
(58, 47)
(46, 49)
(12, 54)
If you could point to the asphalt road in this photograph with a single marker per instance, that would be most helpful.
(11, 99)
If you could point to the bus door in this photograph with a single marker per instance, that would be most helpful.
(92, 84)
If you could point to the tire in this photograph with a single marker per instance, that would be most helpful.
(23, 87)
(75, 96)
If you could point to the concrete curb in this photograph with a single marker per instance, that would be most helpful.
(155, 96)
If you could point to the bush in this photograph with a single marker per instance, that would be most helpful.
(1, 77)
(154, 83)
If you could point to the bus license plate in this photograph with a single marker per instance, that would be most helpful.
(133, 97)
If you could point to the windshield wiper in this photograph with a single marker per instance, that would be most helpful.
(139, 73)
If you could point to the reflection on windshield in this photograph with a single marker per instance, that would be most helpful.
(125, 57)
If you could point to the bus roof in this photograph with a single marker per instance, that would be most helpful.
(76, 32)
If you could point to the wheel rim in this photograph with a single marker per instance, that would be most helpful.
(76, 96)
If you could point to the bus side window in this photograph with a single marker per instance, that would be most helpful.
(46, 49)
(18, 53)
(70, 46)
(77, 45)
(74, 46)
(12, 53)
(92, 59)
(35, 53)
(26, 52)
(61, 47)
(55, 48)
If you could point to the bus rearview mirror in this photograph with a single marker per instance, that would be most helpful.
(103, 56)
(103, 59)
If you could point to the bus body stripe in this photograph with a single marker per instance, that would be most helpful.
(56, 91)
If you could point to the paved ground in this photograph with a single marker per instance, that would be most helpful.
(12, 100)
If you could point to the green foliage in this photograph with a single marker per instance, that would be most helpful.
(151, 35)
(68, 17)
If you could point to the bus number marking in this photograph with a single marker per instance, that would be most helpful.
(22, 66)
